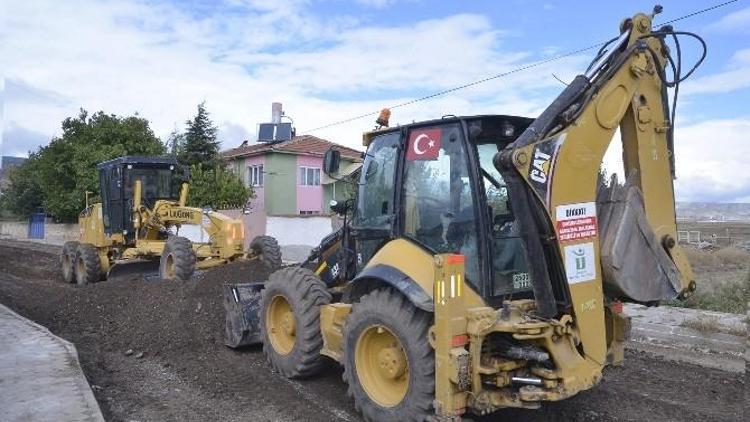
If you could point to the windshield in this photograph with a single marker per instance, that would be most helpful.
(156, 183)
(376, 184)
(438, 200)
(509, 262)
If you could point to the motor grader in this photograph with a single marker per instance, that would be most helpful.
(484, 261)
(142, 210)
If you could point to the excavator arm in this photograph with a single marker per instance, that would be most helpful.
(591, 243)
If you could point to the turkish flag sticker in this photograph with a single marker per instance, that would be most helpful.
(424, 144)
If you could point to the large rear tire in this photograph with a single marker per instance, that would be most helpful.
(68, 262)
(88, 267)
(266, 248)
(177, 261)
(290, 321)
(389, 365)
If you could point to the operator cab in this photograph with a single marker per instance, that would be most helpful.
(159, 180)
(434, 183)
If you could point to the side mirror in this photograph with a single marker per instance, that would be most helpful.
(331, 161)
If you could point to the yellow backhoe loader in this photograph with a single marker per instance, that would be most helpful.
(484, 261)
(140, 217)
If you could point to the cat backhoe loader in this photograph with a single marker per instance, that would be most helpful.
(139, 219)
(484, 261)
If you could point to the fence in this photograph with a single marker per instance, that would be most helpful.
(692, 237)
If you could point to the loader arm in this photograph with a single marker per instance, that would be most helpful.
(552, 171)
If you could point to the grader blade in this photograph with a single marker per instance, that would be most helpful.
(242, 305)
(130, 269)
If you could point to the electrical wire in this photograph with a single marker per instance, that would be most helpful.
(602, 46)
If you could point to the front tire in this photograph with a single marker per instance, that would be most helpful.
(389, 365)
(266, 248)
(177, 261)
(68, 262)
(88, 267)
(290, 321)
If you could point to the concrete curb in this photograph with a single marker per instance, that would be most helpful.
(40, 377)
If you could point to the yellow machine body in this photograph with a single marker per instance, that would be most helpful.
(591, 333)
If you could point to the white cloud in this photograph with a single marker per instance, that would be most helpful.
(710, 158)
(711, 161)
(738, 21)
(160, 61)
(736, 76)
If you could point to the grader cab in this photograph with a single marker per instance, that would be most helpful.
(142, 210)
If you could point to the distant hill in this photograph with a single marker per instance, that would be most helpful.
(712, 211)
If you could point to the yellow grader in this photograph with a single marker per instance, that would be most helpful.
(142, 210)
(483, 263)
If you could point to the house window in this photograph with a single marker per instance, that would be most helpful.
(309, 212)
(255, 175)
(309, 176)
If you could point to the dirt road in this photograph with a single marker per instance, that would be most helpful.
(186, 373)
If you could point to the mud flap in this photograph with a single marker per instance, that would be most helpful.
(635, 266)
(242, 305)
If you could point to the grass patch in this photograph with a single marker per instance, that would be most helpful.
(711, 324)
(723, 280)
(718, 259)
(702, 323)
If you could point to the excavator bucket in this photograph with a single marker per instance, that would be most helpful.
(133, 269)
(635, 266)
(242, 305)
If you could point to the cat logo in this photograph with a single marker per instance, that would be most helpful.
(540, 167)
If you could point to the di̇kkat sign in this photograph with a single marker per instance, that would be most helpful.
(576, 221)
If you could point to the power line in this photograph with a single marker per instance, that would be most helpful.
(716, 6)
(510, 72)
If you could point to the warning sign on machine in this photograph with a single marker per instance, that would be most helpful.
(576, 221)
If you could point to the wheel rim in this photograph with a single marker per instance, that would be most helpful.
(169, 267)
(281, 326)
(382, 366)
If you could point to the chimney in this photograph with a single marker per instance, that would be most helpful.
(276, 113)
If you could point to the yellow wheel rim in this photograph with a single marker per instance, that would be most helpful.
(280, 325)
(382, 366)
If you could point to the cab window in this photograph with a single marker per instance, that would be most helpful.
(509, 261)
(438, 204)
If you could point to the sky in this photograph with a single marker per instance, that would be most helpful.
(329, 60)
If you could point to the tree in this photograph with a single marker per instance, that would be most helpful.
(23, 195)
(57, 176)
(217, 188)
(212, 184)
(175, 142)
(200, 146)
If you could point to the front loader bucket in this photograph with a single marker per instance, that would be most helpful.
(136, 268)
(242, 304)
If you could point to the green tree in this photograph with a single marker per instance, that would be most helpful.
(58, 175)
(199, 146)
(217, 188)
(23, 195)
